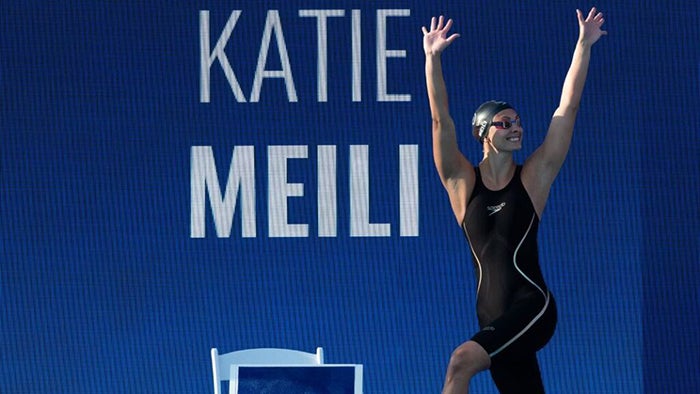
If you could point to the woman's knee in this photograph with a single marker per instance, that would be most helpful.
(469, 358)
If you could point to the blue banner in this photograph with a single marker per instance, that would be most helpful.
(181, 176)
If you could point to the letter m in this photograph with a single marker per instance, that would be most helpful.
(241, 182)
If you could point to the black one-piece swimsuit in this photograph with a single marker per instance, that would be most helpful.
(516, 312)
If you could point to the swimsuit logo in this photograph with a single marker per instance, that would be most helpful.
(495, 208)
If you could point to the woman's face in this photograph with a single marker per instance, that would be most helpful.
(506, 132)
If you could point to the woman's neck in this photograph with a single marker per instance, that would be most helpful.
(497, 169)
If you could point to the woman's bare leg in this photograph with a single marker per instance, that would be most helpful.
(467, 360)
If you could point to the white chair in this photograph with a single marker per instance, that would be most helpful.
(221, 363)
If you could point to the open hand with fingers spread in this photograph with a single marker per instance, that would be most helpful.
(436, 40)
(590, 28)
